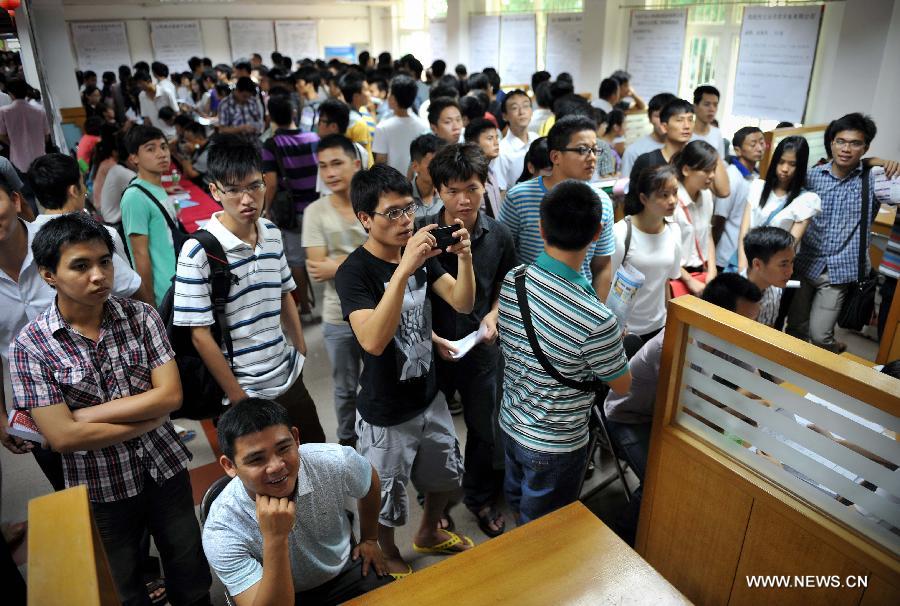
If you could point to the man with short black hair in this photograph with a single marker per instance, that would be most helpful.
(770, 264)
(653, 141)
(153, 98)
(626, 91)
(517, 113)
(242, 111)
(306, 85)
(362, 125)
(445, 118)
(749, 146)
(23, 126)
(394, 134)
(607, 95)
(421, 151)
(706, 104)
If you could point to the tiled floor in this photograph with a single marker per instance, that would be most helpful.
(23, 480)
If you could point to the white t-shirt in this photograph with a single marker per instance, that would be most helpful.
(714, 138)
(658, 257)
(117, 179)
(538, 117)
(602, 104)
(803, 207)
(641, 146)
(695, 219)
(393, 136)
(509, 164)
(732, 209)
(150, 107)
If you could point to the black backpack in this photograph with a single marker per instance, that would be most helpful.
(179, 234)
(202, 397)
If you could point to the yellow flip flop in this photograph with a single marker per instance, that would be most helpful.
(445, 548)
(400, 575)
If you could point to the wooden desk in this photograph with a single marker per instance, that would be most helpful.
(566, 557)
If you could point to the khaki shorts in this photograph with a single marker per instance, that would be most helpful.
(423, 449)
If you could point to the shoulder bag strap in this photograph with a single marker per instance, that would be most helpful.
(220, 278)
(864, 224)
(627, 238)
(525, 310)
(153, 199)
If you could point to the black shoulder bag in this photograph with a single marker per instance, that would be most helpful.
(859, 304)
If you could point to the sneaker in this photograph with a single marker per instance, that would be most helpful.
(348, 442)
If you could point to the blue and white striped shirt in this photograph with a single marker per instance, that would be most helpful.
(521, 213)
(581, 339)
(265, 363)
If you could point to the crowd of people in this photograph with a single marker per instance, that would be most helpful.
(430, 205)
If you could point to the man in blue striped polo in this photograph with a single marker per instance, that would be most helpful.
(266, 364)
(544, 423)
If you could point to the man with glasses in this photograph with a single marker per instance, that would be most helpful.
(265, 363)
(573, 152)
(828, 261)
(384, 288)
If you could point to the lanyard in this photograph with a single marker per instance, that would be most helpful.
(687, 214)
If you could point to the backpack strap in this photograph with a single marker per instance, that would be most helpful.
(525, 310)
(627, 238)
(220, 278)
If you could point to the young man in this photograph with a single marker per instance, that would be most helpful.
(23, 126)
(572, 144)
(265, 363)
(384, 288)
(421, 151)
(545, 424)
(607, 95)
(306, 84)
(706, 104)
(58, 185)
(153, 98)
(149, 237)
(657, 137)
(330, 233)
(484, 134)
(770, 264)
(355, 94)
(828, 261)
(517, 113)
(334, 119)
(749, 146)
(278, 532)
(394, 134)
(289, 162)
(98, 376)
(194, 167)
(677, 122)
(241, 112)
(459, 174)
(626, 92)
(161, 74)
(445, 118)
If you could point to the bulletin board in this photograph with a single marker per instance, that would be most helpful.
(484, 42)
(655, 48)
(563, 51)
(518, 52)
(248, 36)
(174, 42)
(100, 46)
(297, 39)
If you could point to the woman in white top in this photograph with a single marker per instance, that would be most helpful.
(654, 247)
(779, 200)
(695, 166)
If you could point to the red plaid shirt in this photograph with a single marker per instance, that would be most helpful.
(50, 363)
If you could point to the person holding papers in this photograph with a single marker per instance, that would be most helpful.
(459, 173)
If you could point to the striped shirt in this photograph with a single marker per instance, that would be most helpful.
(521, 213)
(297, 151)
(580, 338)
(51, 363)
(265, 364)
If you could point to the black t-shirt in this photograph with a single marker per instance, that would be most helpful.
(400, 383)
(649, 160)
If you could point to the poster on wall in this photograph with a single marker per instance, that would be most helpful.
(484, 42)
(437, 33)
(297, 39)
(174, 42)
(100, 46)
(563, 52)
(775, 61)
(250, 36)
(655, 49)
(518, 48)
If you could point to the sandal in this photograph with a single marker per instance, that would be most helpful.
(400, 575)
(486, 518)
(446, 547)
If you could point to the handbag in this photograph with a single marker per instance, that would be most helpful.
(283, 211)
(859, 304)
(678, 287)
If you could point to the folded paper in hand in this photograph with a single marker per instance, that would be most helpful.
(465, 345)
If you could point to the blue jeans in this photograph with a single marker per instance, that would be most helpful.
(634, 440)
(537, 483)
(346, 357)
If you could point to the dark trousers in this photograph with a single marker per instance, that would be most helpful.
(302, 410)
(887, 297)
(50, 463)
(634, 442)
(348, 584)
(477, 378)
(167, 510)
(13, 583)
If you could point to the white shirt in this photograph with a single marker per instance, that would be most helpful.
(150, 107)
(169, 87)
(732, 209)
(602, 104)
(695, 219)
(714, 138)
(393, 136)
(641, 146)
(803, 207)
(511, 161)
(538, 117)
(117, 179)
(658, 257)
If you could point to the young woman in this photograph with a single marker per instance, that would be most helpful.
(654, 247)
(696, 167)
(615, 134)
(780, 200)
(537, 161)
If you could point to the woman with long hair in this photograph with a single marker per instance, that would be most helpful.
(780, 199)
(537, 161)
(695, 166)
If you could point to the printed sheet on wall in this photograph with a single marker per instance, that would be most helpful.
(655, 49)
(100, 46)
(484, 42)
(563, 52)
(518, 52)
(250, 36)
(174, 42)
(775, 62)
(297, 39)
(437, 33)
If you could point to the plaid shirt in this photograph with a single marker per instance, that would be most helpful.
(832, 240)
(51, 363)
(232, 113)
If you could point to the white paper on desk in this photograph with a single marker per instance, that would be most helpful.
(465, 345)
(201, 223)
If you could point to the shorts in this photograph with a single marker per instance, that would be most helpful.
(293, 251)
(423, 449)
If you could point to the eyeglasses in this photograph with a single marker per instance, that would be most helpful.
(236, 193)
(852, 144)
(395, 213)
(583, 150)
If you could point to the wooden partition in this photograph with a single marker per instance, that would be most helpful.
(744, 458)
(814, 135)
(67, 565)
